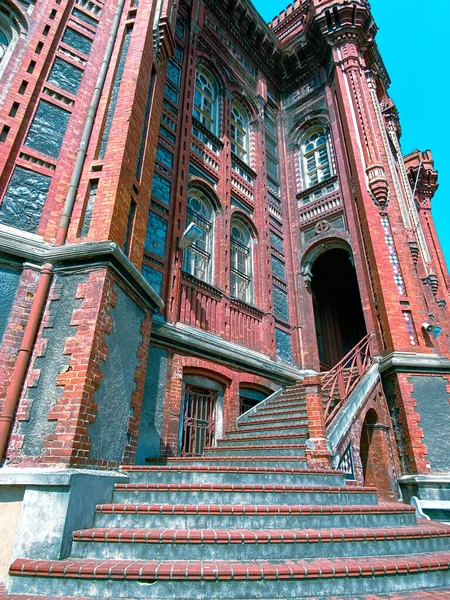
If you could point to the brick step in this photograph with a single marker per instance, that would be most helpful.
(253, 544)
(254, 516)
(226, 579)
(258, 450)
(269, 424)
(187, 493)
(281, 429)
(232, 474)
(266, 413)
(217, 459)
(288, 396)
(258, 439)
(284, 403)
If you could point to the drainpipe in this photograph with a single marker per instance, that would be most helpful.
(20, 368)
(63, 228)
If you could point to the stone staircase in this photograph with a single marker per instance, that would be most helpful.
(247, 520)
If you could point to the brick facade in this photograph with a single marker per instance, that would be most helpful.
(318, 170)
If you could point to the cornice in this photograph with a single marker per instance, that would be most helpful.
(19, 246)
(218, 350)
(412, 362)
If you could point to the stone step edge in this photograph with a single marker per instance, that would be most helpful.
(264, 412)
(227, 469)
(257, 536)
(264, 439)
(215, 570)
(256, 509)
(435, 594)
(256, 447)
(238, 458)
(242, 487)
(285, 423)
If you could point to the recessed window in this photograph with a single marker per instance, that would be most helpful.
(197, 258)
(241, 262)
(205, 100)
(239, 131)
(316, 158)
(12, 24)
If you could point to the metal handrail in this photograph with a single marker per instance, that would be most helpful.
(341, 380)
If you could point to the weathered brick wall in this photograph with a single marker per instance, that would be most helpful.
(85, 378)
(178, 366)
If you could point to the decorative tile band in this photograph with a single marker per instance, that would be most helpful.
(410, 328)
(393, 258)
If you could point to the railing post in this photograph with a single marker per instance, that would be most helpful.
(317, 453)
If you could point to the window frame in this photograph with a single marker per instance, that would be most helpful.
(320, 171)
(209, 121)
(238, 275)
(240, 148)
(194, 254)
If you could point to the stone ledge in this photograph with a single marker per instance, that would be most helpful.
(33, 476)
(411, 361)
(29, 247)
(221, 351)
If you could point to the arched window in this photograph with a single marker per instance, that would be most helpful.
(197, 258)
(12, 24)
(239, 131)
(205, 100)
(316, 157)
(4, 43)
(241, 262)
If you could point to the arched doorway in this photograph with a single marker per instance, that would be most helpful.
(338, 313)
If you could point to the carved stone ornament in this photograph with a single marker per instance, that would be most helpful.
(322, 226)
(378, 185)
(307, 275)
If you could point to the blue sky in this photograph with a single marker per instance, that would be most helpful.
(414, 46)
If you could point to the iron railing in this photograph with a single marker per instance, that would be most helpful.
(341, 380)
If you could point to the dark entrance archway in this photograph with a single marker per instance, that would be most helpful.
(337, 305)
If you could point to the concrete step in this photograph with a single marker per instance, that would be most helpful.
(258, 439)
(254, 516)
(218, 460)
(192, 473)
(258, 450)
(186, 493)
(234, 461)
(438, 594)
(253, 544)
(213, 579)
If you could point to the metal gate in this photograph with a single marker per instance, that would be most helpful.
(199, 420)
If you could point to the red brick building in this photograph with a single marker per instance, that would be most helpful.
(198, 209)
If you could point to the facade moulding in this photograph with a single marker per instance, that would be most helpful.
(347, 416)
(32, 248)
(410, 361)
(211, 347)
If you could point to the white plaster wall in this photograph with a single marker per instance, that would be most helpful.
(10, 508)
